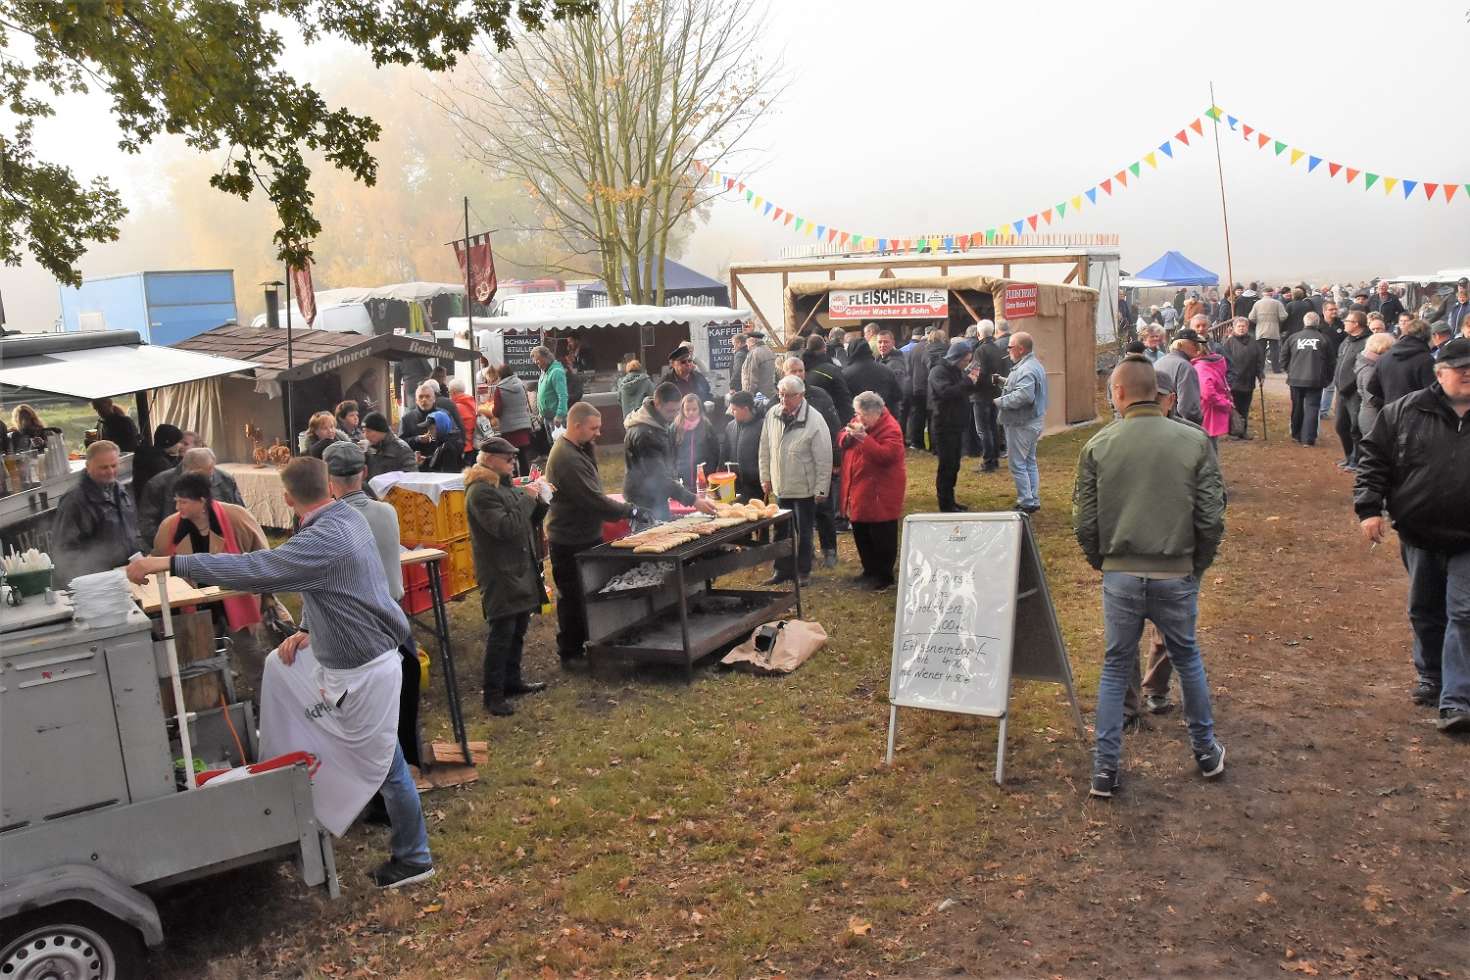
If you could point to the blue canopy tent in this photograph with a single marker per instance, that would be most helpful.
(1176, 269)
(682, 287)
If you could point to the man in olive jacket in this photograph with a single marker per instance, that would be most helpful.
(1148, 509)
(503, 522)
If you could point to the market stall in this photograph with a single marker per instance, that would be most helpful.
(657, 602)
(321, 368)
(1060, 319)
(611, 336)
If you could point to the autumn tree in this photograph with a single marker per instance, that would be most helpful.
(209, 71)
(603, 119)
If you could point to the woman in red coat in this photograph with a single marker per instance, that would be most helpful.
(874, 479)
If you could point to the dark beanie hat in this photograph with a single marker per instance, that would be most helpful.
(167, 436)
(376, 421)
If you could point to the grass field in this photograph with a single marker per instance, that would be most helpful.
(628, 822)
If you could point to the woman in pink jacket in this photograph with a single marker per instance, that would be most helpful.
(1214, 393)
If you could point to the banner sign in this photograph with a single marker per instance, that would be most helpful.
(973, 612)
(482, 267)
(879, 304)
(518, 347)
(1020, 301)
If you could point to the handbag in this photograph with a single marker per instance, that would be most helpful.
(1237, 423)
(779, 647)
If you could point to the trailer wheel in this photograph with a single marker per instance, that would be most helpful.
(69, 941)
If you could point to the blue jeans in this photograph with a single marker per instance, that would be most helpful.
(803, 515)
(1173, 606)
(1326, 408)
(984, 410)
(409, 838)
(1021, 446)
(1439, 611)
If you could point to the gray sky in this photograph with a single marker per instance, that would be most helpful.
(902, 119)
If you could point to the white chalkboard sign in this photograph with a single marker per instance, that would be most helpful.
(973, 611)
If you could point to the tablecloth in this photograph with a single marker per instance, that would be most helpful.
(431, 485)
(261, 489)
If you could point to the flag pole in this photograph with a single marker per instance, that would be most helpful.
(1229, 261)
(469, 291)
(290, 363)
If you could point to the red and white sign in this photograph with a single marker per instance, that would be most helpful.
(888, 303)
(1020, 301)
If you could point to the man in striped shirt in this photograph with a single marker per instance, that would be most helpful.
(347, 680)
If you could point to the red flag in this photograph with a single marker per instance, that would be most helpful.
(305, 293)
(482, 272)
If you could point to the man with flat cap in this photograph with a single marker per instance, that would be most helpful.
(504, 525)
(685, 375)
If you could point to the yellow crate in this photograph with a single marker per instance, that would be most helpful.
(421, 521)
(459, 567)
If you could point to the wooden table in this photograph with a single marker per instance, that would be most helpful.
(180, 594)
(433, 558)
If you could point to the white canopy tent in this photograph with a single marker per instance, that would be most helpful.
(105, 371)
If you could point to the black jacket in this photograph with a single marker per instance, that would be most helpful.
(864, 373)
(899, 365)
(1307, 357)
(1390, 307)
(1404, 368)
(822, 372)
(422, 435)
(697, 385)
(822, 402)
(949, 396)
(648, 450)
(921, 362)
(1296, 311)
(95, 529)
(1416, 462)
(742, 446)
(992, 360)
(155, 500)
(119, 429)
(1346, 378)
(1247, 364)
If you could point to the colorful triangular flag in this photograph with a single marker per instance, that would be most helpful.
(1121, 177)
(1167, 148)
(1077, 203)
(749, 195)
(1409, 186)
(767, 209)
(989, 235)
(1032, 222)
(789, 216)
(729, 183)
(777, 215)
(842, 238)
(1046, 216)
(1018, 225)
(1351, 174)
(1198, 127)
(1107, 186)
(1213, 112)
(821, 231)
(1449, 192)
(742, 187)
(1333, 168)
(1152, 159)
(1246, 131)
(799, 223)
(1232, 121)
(1296, 155)
(1389, 184)
(1134, 167)
(1279, 147)
(1429, 189)
(1369, 180)
(1062, 210)
(1091, 193)
(857, 240)
(1313, 163)
(1261, 140)
(1182, 137)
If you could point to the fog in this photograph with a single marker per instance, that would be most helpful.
(902, 119)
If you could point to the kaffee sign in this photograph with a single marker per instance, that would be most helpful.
(891, 303)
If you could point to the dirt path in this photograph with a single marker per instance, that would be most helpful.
(1336, 844)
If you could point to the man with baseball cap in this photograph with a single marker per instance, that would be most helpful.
(505, 535)
(1415, 464)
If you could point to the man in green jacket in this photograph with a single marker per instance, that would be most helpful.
(1148, 509)
(551, 389)
(503, 522)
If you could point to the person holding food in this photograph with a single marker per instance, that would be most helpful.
(648, 450)
(796, 465)
(874, 478)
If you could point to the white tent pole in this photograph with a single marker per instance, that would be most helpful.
(173, 676)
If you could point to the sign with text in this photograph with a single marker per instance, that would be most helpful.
(1020, 300)
(518, 347)
(888, 303)
(973, 612)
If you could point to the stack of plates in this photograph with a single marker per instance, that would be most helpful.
(102, 599)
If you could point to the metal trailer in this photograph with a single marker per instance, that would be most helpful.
(91, 819)
(164, 307)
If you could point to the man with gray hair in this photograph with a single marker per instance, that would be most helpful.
(1022, 408)
(795, 465)
(1310, 360)
(991, 361)
(157, 499)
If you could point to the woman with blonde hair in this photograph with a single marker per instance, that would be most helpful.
(1367, 366)
(321, 432)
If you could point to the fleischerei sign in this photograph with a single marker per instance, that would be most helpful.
(887, 303)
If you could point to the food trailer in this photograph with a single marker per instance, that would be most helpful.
(611, 336)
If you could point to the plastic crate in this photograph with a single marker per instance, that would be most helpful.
(459, 567)
(416, 597)
(421, 521)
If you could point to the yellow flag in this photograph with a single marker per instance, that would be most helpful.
(1296, 155)
(1077, 204)
(1388, 184)
(1152, 159)
(758, 201)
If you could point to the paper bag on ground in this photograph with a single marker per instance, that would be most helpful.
(792, 642)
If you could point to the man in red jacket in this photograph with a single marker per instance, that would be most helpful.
(873, 482)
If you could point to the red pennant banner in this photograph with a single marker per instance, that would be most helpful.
(1107, 186)
(482, 267)
(1429, 190)
(1333, 168)
(777, 215)
(1046, 216)
(1121, 177)
(1352, 174)
(1032, 222)
(305, 293)
(1245, 131)
(1449, 192)
(1182, 137)
(1197, 127)
(1261, 140)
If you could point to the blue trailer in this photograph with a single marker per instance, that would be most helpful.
(165, 307)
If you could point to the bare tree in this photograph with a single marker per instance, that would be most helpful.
(603, 119)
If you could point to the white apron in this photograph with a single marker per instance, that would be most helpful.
(348, 719)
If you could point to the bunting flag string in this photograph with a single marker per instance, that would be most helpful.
(1007, 232)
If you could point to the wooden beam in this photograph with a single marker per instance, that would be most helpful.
(817, 306)
(1082, 272)
(755, 307)
(1005, 270)
(1070, 276)
(968, 308)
